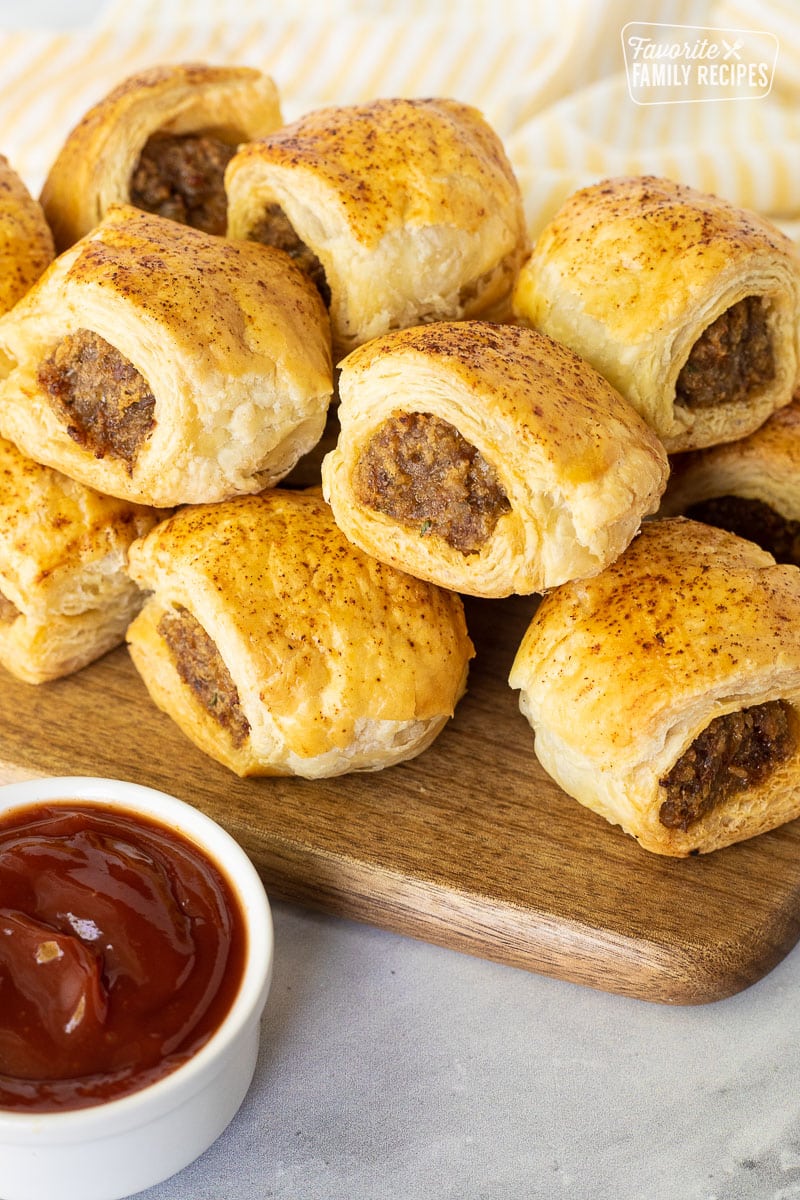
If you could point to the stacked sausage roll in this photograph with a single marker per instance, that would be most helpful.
(161, 141)
(26, 243)
(685, 302)
(665, 693)
(165, 365)
(750, 487)
(488, 459)
(402, 211)
(282, 649)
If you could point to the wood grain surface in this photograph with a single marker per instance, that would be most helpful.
(470, 845)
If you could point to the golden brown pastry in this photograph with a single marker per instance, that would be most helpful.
(687, 304)
(750, 487)
(487, 458)
(403, 211)
(280, 649)
(65, 596)
(26, 243)
(664, 693)
(165, 365)
(160, 140)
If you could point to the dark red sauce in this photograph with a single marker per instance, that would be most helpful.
(121, 951)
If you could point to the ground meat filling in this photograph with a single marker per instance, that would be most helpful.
(420, 471)
(106, 404)
(730, 360)
(754, 520)
(734, 752)
(183, 178)
(275, 229)
(8, 610)
(200, 666)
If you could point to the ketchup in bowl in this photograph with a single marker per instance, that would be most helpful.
(122, 948)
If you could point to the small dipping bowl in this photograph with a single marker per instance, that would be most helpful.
(120, 1146)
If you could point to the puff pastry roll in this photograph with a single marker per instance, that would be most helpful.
(65, 596)
(750, 487)
(403, 211)
(160, 140)
(26, 243)
(487, 458)
(280, 649)
(164, 365)
(687, 304)
(664, 694)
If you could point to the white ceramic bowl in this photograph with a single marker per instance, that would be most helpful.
(122, 1146)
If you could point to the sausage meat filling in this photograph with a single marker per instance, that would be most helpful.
(275, 229)
(730, 359)
(106, 404)
(183, 178)
(420, 471)
(200, 666)
(8, 610)
(754, 520)
(734, 752)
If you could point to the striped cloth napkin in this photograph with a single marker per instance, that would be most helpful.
(551, 78)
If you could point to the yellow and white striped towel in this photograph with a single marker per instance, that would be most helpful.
(550, 78)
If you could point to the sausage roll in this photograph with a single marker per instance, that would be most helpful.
(26, 243)
(685, 303)
(487, 458)
(164, 365)
(280, 649)
(161, 140)
(750, 487)
(664, 694)
(402, 211)
(65, 596)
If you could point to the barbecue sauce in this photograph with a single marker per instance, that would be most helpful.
(122, 948)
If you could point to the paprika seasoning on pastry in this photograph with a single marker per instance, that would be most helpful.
(122, 947)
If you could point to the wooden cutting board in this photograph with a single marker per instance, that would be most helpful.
(470, 845)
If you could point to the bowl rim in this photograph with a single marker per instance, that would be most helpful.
(153, 1100)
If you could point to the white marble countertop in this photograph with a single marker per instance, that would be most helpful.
(392, 1068)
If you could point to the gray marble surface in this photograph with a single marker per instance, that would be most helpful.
(390, 1068)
